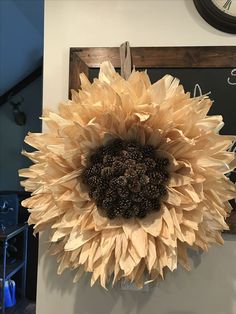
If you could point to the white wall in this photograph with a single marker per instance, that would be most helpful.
(211, 287)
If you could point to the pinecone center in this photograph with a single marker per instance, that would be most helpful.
(126, 179)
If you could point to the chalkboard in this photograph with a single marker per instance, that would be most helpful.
(201, 70)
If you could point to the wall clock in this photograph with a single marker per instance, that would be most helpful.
(221, 14)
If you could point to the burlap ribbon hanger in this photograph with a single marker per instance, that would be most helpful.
(125, 60)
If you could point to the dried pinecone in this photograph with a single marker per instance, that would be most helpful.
(165, 176)
(158, 178)
(142, 213)
(95, 194)
(124, 203)
(149, 162)
(144, 179)
(134, 186)
(118, 168)
(113, 183)
(129, 163)
(107, 203)
(131, 173)
(156, 205)
(162, 163)
(126, 179)
(110, 193)
(94, 181)
(86, 175)
(117, 144)
(96, 157)
(122, 181)
(137, 198)
(136, 209)
(122, 192)
(112, 214)
(141, 168)
(132, 145)
(151, 191)
(106, 173)
(124, 154)
(148, 151)
(117, 211)
(135, 154)
(108, 160)
(128, 213)
(147, 205)
(162, 190)
(108, 150)
(96, 169)
(120, 159)
(155, 177)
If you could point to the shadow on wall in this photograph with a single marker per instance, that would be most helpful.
(12, 135)
(207, 289)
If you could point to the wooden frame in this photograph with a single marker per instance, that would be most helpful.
(85, 59)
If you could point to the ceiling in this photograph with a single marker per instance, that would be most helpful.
(21, 40)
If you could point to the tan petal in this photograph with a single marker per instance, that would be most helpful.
(77, 239)
(152, 224)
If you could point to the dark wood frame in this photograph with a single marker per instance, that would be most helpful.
(85, 59)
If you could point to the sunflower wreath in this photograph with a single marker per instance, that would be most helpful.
(128, 176)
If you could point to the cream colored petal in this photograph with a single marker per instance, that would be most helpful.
(107, 72)
(173, 198)
(77, 239)
(152, 224)
(188, 233)
(151, 254)
(178, 180)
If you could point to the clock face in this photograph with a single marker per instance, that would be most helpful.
(227, 6)
(220, 14)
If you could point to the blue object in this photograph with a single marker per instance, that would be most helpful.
(9, 210)
(10, 293)
(9, 270)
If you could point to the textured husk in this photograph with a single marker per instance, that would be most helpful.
(163, 115)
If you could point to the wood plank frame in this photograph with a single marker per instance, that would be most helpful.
(85, 59)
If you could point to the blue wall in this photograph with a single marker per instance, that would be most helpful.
(21, 50)
(21, 40)
(12, 135)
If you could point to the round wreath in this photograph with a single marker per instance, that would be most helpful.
(128, 176)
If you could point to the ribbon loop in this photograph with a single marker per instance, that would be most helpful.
(125, 60)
